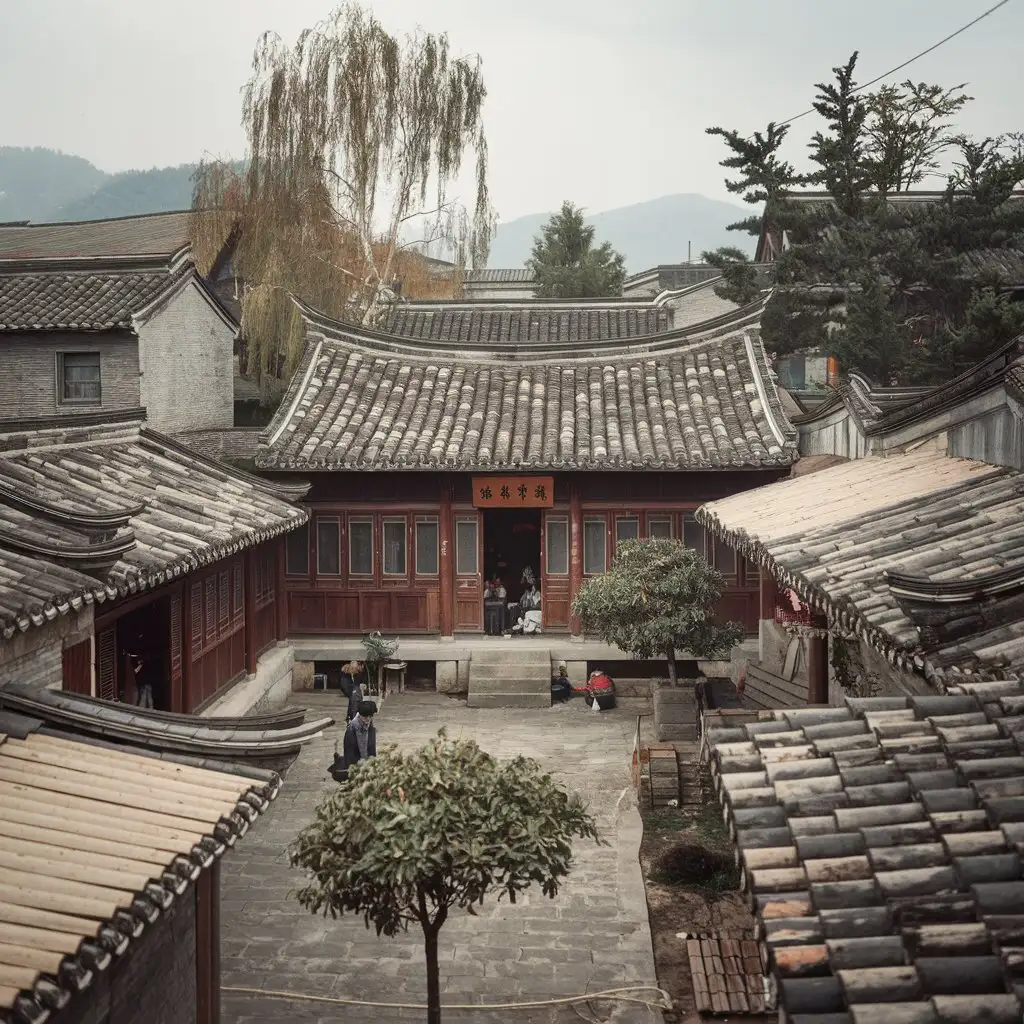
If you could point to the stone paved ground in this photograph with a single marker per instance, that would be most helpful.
(593, 936)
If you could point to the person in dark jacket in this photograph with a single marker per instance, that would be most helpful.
(351, 686)
(361, 736)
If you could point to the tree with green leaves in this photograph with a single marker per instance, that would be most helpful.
(659, 597)
(909, 292)
(412, 837)
(356, 138)
(567, 265)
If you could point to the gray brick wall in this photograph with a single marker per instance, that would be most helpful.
(33, 658)
(186, 360)
(28, 372)
(155, 981)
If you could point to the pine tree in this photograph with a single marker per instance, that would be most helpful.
(565, 263)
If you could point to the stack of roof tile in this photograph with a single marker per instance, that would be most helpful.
(880, 844)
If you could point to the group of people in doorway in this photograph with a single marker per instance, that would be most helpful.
(519, 618)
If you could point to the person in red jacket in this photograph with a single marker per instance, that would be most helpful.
(600, 690)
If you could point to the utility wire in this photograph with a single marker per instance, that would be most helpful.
(907, 63)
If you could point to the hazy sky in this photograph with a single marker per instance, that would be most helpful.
(601, 101)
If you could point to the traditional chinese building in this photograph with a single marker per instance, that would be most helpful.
(498, 446)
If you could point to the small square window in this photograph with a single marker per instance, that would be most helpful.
(627, 528)
(78, 378)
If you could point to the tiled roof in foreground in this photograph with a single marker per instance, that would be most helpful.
(880, 846)
(698, 399)
(921, 554)
(94, 511)
(97, 844)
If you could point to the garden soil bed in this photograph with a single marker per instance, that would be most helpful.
(676, 909)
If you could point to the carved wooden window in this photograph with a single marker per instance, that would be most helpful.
(328, 546)
(393, 535)
(556, 542)
(297, 552)
(725, 558)
(360, 547)
(239, 589)
(175, 631)
(196, 618)
(426, 547)
(225, 600)
(211, 609)
(106, 664)
(694, 536)
(626, 528)
(467, 547)
(594, 545)
(659, 527)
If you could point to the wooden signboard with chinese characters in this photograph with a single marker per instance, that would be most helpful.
(513, 491)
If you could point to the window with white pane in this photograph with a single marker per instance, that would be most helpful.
(394, 541)
(659, 527)
(426, 547)
(594, 545)
(467, 554)
(360, 547)
(556, 541)
(626, 528)
(328, 546)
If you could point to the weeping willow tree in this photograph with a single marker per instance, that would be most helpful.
(356, 140)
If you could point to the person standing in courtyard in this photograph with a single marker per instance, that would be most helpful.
(361, 735)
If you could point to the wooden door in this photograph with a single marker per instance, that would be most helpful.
(469, 579)
(554, 569)
(106, 664)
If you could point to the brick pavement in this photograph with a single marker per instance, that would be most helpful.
(594, 935)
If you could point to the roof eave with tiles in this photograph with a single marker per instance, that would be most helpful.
(361, 400)
(880, 848)
(183, 511)
(108, 857)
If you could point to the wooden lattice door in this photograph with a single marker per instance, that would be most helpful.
(176, 653)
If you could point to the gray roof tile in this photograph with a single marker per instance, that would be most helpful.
(868, 899)
(43, 296)
(140, 506)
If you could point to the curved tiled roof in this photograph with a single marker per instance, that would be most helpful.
(154, 234)
(681, 400)
(101, 512)
(527, 322)
(59, 296)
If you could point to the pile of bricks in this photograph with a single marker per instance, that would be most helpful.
(727, 973)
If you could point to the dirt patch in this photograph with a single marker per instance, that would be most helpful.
(676, 908)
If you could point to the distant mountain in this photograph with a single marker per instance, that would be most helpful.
(45, 185)
(649, 233)
(36, 182)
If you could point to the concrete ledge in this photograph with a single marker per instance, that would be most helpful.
(272, 683)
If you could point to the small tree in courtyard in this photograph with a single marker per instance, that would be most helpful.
(658, 598)
(415, 836)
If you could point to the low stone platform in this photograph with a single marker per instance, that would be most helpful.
(675, 714)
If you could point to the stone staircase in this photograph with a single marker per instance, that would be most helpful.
(510, 678)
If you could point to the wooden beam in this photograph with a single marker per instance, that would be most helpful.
(817, 664)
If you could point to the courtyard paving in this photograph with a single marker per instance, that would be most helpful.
(593, 936)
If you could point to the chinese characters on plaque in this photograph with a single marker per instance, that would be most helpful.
(513, 491)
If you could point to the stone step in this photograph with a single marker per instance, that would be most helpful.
(675, 713)
(511, 685)
(509, 700)
(486, 671)
(525, 655)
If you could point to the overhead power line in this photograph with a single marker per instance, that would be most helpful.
(917, 56)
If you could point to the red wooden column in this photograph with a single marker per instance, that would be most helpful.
(178, 648)
(280, 594)
(447, 566)
(188, 628)
(249, 608)
(769, 594)
(575, 553)
(817, 664)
